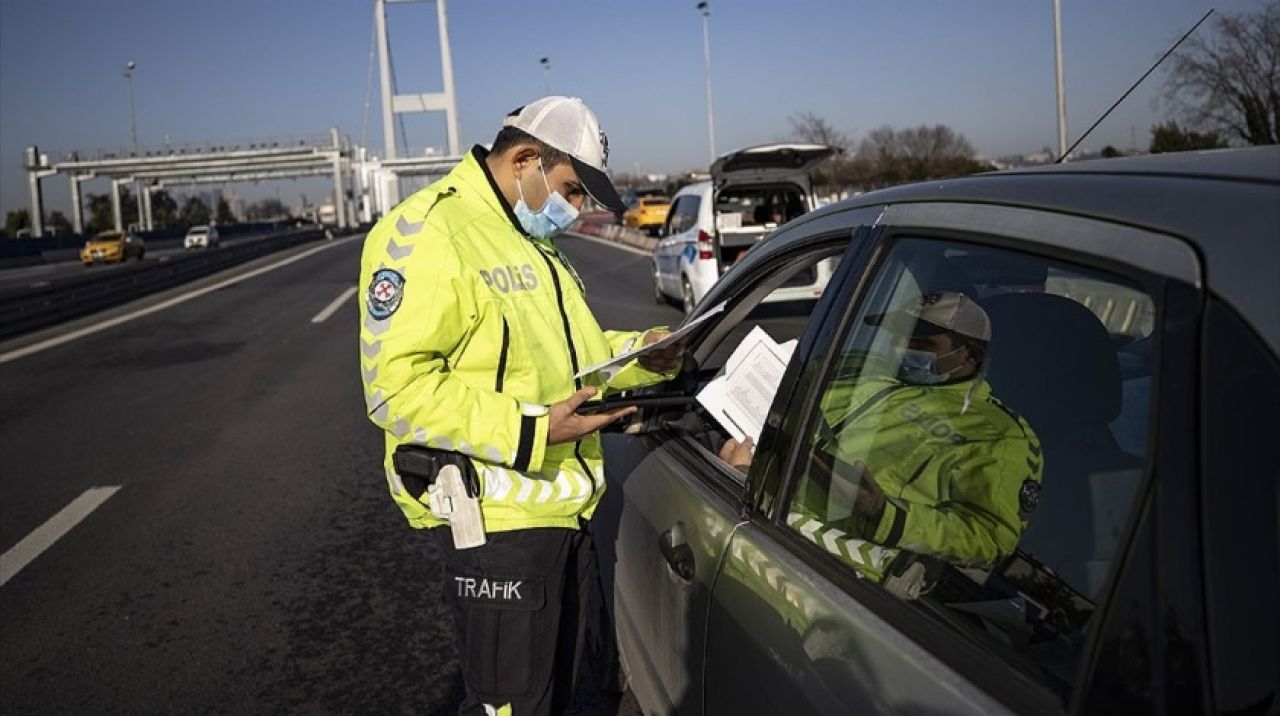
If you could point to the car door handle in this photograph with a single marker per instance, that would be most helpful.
(677, 552)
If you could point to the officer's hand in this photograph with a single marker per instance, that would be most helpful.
(738, 454)
(663, 360)
(564, 425)
(870, 498)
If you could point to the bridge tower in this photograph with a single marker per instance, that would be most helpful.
(393, 104)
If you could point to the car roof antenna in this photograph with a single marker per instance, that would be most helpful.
(1133, 87)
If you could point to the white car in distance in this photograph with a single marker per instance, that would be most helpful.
(712, 224)
(201, 237)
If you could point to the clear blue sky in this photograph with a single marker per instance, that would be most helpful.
(243, 69)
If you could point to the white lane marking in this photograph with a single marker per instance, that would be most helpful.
(170, 303)
(602, 242)
(329, 310)
(21, 554)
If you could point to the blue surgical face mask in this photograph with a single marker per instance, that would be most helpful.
(920, 367)
(554, 218)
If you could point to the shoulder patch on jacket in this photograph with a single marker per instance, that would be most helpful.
(1028, 497)
(386, 291)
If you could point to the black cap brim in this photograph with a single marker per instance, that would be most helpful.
(598, 185)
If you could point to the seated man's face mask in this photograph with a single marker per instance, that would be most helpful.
(919, 367)
(554, 218)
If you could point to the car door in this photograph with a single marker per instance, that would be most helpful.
(683, 236)
(666, 254)
(672, 503)
(671, 527)
(808, 615)
(683, 246)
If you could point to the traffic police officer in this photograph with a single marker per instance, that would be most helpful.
(473, 330)
(924, 457)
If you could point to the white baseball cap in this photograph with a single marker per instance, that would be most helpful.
(569, 125)
(937, 311)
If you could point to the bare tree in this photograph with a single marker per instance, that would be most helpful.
(812, 128)
(840, 169)
(1230, 81)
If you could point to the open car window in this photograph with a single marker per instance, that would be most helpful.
(780, 301)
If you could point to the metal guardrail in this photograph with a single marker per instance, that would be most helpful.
(29, 308)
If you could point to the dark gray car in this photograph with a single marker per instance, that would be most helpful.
(1134, 309)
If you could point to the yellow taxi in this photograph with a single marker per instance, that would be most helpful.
(110, 247)
(647, 213)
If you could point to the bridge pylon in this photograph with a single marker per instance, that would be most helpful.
(393, 104)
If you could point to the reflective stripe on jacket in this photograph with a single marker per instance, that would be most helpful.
(468, 330)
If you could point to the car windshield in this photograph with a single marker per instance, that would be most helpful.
(655, 202)
(198, 231)
(107, 236)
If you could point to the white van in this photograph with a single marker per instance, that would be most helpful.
(711, 224)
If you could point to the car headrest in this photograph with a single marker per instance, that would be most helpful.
(1052, 360)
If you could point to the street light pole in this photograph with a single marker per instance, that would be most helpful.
(546, 73)
(1062, 97)
(133, 122)
(706, 57)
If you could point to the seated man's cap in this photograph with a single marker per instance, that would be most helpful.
(567, 124)
(937, 311)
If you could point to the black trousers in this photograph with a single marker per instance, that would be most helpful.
(520, 604)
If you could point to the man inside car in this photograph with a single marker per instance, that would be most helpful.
(915, 452)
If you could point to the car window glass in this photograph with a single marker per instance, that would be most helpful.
(669, 224)
(780, 302)
(684, 215)
(977, 443)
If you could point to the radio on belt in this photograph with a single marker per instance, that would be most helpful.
(452, 489)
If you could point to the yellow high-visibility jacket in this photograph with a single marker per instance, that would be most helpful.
(468, 331)
(960, 470)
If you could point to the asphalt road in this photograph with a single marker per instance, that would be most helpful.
(250, 561)
(41, 273)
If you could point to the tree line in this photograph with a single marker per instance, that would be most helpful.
(887, 156)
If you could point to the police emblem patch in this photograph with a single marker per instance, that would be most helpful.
(385, 292)
(1029, 496)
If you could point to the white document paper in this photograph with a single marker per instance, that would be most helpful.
(741, 393)
(608, 369)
